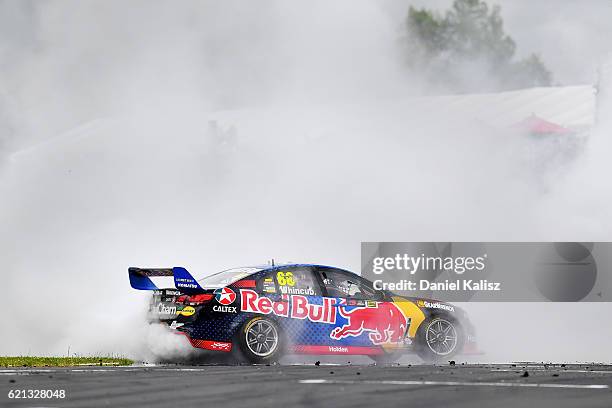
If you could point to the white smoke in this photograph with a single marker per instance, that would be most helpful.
(577, 208)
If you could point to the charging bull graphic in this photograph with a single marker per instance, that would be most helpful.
(385, 322)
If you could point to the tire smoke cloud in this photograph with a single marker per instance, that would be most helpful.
(219, 134)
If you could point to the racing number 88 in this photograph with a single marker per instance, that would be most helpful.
(285, 279)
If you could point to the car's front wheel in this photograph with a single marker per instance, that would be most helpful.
(260, 340)
(439, 338)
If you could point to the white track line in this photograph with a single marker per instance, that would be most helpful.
(27, 371)
(553, 370)
(457, 383)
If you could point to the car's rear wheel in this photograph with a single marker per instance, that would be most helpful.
(260, 340)
(439, 338)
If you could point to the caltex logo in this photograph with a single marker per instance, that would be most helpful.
(225, 296)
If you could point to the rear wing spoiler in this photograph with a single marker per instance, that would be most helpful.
(140, 278)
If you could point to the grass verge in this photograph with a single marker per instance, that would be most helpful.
(25, 361)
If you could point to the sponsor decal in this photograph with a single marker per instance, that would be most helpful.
(217, 345)
(185, 283)
(311, 349)
(211, 345)
(225, 296)
(162, 309)
(385, 323)
(435, 305)
(269, 286)
(175, 325)
(167, 292)
(288, 290)
(370, 303)
(225, 309)
(295, 307)
(187, 311)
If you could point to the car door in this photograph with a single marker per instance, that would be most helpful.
(309, 315)
(365, 318)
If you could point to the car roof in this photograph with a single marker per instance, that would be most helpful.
(255, 269)
(303, 265)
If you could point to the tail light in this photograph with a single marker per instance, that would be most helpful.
(195, 299)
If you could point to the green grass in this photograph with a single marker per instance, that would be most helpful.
(25, 361)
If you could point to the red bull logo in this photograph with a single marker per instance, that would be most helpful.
(295, 307)
(385, 323)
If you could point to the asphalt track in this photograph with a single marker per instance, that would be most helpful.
(316, 386)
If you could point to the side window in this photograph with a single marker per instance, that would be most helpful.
(344, 284)
(297, 281)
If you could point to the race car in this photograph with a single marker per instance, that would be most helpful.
(265, 312)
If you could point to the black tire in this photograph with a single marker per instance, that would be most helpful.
(434, 339)
(260, 340)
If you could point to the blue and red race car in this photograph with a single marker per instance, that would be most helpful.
(265, 312)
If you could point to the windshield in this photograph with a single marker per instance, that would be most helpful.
(227, 277)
